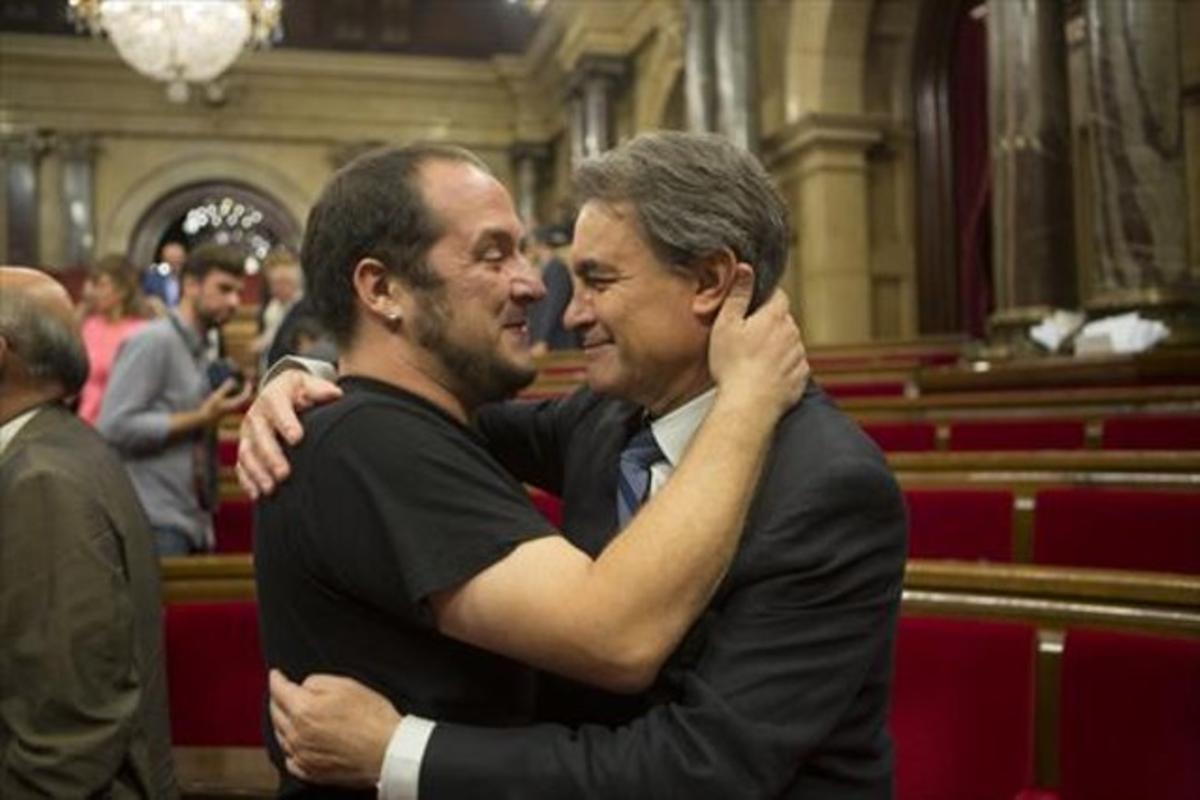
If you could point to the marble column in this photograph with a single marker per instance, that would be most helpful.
(1034, 264)
(592, 97)
(78, 154)
(528, 159)
(821, 163)
(736, 53)
(720, 79)
(577, 127)
(699, 68)
(21, 155)
(1138, 164)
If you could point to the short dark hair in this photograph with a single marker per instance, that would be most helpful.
(51, 349)
(207, 257)
(372, 208)
(694, 194)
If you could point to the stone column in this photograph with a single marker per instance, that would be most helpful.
(577, 127)
(528, 159)
(699, 68)
(821, 163)
(736, 53)
(21, 155)
(720, 85)
(592, 93)
(1140, 198)
(78, 153)
(1033, 251)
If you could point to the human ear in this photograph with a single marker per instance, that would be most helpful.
(714, 278)
(378, 290)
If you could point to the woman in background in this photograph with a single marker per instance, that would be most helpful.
(116, 311)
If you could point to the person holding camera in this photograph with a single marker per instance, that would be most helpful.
(165, 398)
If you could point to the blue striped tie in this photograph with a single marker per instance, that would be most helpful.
(633, 478)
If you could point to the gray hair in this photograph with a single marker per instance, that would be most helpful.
(695, 195)
(51, 350)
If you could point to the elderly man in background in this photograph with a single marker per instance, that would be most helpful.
(781, 689)
(83, 704)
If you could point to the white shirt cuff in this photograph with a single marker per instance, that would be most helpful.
(322, 369)
(400, 777)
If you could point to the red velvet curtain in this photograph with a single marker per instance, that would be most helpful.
(972, 171)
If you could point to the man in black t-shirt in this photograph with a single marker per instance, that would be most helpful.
(399, 546)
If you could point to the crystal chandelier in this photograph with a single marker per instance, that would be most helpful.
(181, 41)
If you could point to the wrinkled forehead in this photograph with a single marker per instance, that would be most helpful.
(610, 233)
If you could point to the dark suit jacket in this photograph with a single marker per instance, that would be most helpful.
(781, 688)
(83, 704)
(164, 287)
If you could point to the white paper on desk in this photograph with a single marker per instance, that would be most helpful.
(1125, 333)
(1055, 329)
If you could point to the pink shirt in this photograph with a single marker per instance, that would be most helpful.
(102, 340)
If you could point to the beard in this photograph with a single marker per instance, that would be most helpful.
(479, 373)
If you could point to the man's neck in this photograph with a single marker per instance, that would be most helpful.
(15, 401)
(687, 387)
(407, 368)
(187, 312)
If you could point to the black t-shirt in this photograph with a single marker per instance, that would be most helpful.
(390, 500)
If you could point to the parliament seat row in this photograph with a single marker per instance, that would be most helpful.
(970, 704)
(1125, 432)
(1108, 528)
(1104, 527)
(1095, 695)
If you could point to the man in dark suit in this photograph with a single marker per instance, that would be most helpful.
(83, 710)
(160, 281)
(781, 688)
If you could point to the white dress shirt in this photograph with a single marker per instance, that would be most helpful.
(400, 775)
(10, 429)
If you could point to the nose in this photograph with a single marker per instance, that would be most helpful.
(578, 313)
(527, 286)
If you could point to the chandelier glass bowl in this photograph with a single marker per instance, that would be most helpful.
(180, 41)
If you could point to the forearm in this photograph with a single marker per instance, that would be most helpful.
(184, 423)
(653, 580)
(134, 431)
(695, 751)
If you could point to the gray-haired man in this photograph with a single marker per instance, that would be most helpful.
(781, 688)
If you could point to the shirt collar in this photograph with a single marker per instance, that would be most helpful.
(10, 429)
(674, 431)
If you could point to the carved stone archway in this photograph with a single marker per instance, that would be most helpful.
(162, 215)
(134, 211)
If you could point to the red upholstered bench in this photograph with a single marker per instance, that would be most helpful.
(968, 524)
(215, 673)
(548, 504)
(864, 389)
(963, 709)
(898, 437)
(1130, 717)
(1018, 434)
(1138, 529)
(227, 452)
(233, 526)
(1151, 432)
